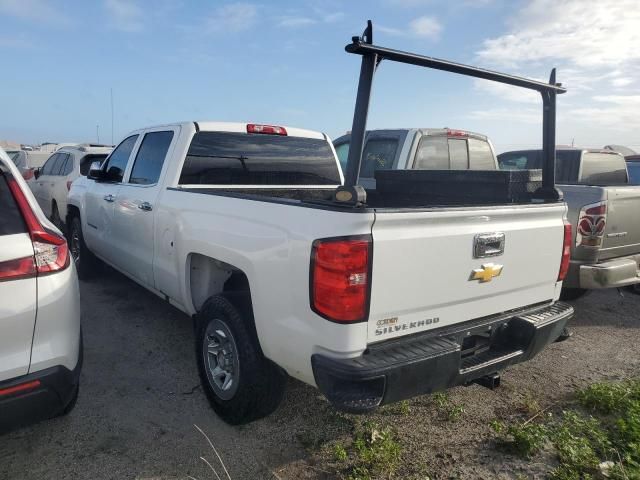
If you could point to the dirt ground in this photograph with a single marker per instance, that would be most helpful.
(140, 398)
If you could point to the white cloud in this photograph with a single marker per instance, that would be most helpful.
(293, 22)
(422, 27)
(594, 34)
(526, 115)
(35, 10)
(425, 26)
(596, 48)
(124, 15)
(318, 16)
(507, 92)
(234, 17)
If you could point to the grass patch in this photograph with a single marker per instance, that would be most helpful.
(598, 438)
(374, 452)
(450, 410)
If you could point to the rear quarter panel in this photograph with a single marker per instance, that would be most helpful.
(271, 243)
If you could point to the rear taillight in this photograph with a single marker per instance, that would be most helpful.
(20, 388)
(17, 269)
(51, 252)
(340, 278)
(566, 252)
(591, 225)
(266, 129)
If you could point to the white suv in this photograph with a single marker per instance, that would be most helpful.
(40, 337)
(54, 179)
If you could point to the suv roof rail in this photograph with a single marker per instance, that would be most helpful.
(372, 55)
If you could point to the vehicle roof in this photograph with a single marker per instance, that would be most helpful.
(238, 127)
(423, 131)
(87, 148)
(566, 148)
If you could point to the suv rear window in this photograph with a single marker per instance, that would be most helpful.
(227, 158)
(11, 221)
(567, 163)
(603, 169)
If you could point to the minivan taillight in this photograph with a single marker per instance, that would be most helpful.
(51, 252)
(591, 225)
(566, 252)
(340, 278)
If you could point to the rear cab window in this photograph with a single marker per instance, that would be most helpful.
(442, 152)
(378, 154)
(229, 158)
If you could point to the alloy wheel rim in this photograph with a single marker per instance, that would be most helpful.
(221, 359)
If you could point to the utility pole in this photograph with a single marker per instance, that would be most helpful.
(98, 132)
(111, 116)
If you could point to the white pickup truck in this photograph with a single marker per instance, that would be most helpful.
(251, 230)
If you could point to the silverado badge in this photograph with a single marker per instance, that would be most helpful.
(486, 273)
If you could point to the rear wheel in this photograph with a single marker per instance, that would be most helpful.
(85, 261)
(55, 216)
(240, 383)
(572, 293)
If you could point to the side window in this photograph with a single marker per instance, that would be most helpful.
(50, 164)
(85, 163)
(61, 164)
(480, 155)
(432, 154)
(11, 221)
(117, 162)
(342, 151)
(150, 158)
(512, 162)
(68, 167)
(458, 154)
(378, 154)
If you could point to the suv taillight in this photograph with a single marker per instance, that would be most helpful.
(51, 252)
(340, 278)
(591, 225)
(566, 252)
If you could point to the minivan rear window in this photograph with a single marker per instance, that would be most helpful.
(227, 158)
(11, 221)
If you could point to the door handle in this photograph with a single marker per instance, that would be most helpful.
(146, 206)
(109, 198)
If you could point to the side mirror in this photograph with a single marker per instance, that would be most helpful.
(36, 173)
(95, 173)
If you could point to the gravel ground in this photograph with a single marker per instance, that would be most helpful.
(140, 398)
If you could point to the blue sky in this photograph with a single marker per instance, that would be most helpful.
(283, 62)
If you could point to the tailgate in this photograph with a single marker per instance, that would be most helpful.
(424, 265)
(622, 230)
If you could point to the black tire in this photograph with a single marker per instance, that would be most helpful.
(257, 385)
(85, 261)
(55, 216)
(72, 403)
(572, 293)
(635, 289)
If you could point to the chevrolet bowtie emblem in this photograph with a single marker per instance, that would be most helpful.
(486, 273)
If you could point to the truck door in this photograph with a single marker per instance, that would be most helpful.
(134, 215)
(100, 198)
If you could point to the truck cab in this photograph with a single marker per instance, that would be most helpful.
(420, 149)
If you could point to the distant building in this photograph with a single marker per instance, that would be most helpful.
(8, 145)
